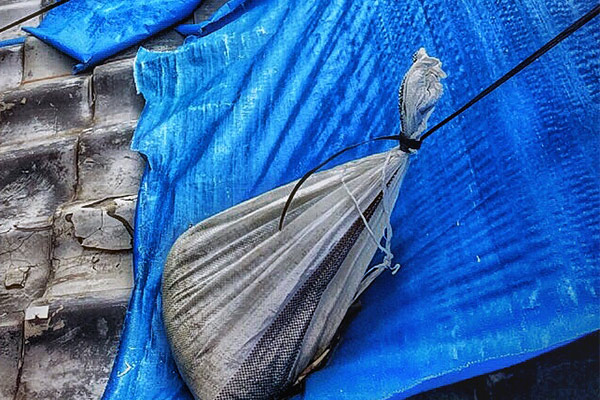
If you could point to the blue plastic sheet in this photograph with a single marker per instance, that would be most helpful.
(496, 224)
(93, 30)
(12, 42)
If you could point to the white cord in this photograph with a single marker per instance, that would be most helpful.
(387, 231)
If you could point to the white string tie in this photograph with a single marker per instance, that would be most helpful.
(387, 230)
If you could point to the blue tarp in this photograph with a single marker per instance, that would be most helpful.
(93, 30)
(497, 221)
(12, 42)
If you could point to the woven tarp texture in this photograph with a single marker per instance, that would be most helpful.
(93, 30)
(496, 223)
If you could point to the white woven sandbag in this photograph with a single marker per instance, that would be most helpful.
(248, 306)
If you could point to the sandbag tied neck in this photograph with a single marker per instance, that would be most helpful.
(418, 93)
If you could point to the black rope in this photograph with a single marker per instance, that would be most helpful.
(33, 15)
(406, 144)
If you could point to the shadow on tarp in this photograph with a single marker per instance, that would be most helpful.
(569, 372)
(496, 224)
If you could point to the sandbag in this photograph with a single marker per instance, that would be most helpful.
(247, 306)
(92, 30)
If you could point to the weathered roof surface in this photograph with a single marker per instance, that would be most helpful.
(68, 187)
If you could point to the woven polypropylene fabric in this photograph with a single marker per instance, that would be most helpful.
(496, 228)
(246, 306)
(248, 303)
(267, 372)
(91, 31)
